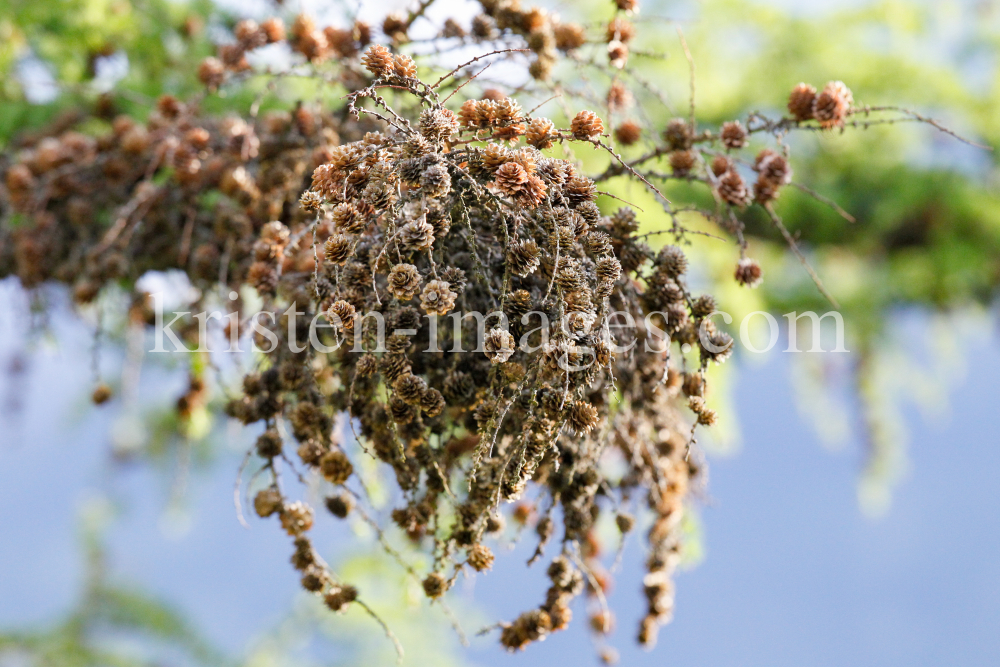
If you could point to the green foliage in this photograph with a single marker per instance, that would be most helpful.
(163, 40)
(927, 206)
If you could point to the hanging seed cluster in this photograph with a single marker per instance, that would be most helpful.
(427, 221)
(390, 217)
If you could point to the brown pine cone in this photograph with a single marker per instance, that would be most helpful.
(619, 98)
(452, 29)
(296, 518)
(435, 585)
(326, 182)
(480, 557)
(523, 258)
(362, 33)
(748, 272)
(455, 277)
(720, 165)
(617, 53)
(532, 193)
(379, 195)
(435, 181)
(800, 101)
(484, 27)
(379, 61)
(417, 235)
(678, 134)
(619, 29)
(534, 19)
(310, 201)
(394, 26)
(580, 189)
(404, 281)
(347, 219)
(249, 34)
(404, 67)
(569, 36)
(507, 110)
(401, 411)
(628, 133)
(733, 189)
(432, 403)
(597, 243)
(340, 596)
(609, 269)
(518, 304)
(211, 72)
(437, 298)
(440, 220)
(468, 114)
(494, 155)
(509, 133)
(341, 315)
(672, 261)
(773, 166)
(510, 178)
(540, 133)
(682, 162)
(341, 41)
(312, 44)
(486, 111)
(102, 394)
(831, 106)
(587, 126)
(416, 146)
(336, 467)
(339, 505)
(459, 387)
(583, 417)
(338, 249)
(303, 25)
(498, 345)
(527, 158)
(733, 135)
(703, 305)
(410, 388)
(394, 365)
(773, 172)
(263, 276)
(273, 29)
(267, 502)
(367, 365)
(438, 124)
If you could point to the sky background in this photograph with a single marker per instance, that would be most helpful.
(793, 572)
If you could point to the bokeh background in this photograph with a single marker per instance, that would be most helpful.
(852, 514)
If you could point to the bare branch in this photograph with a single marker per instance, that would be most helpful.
(798, 253)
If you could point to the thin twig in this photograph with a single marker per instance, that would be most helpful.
(923, 119)
(798, 253)
(385, 628)
(466, 64)
(466, 82)
(825, 200)
(690, 59)
(236, 490)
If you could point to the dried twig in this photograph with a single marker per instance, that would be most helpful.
(798, 253)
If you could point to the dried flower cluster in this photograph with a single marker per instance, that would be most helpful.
(415, 211)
